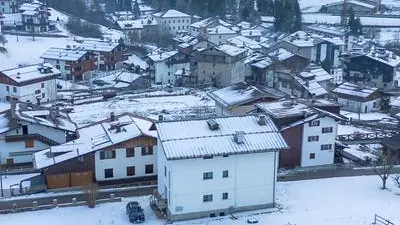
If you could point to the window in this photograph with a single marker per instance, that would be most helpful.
(147, 150)
(207, 198)
(313, 138)
(8, 88)
(37, 91)
(314, 123)
(43, 95)
(130, 171)
(149, 169)
(284, 84)
(207, 175)
(225, 196)
(29, 143)
(66, 67)
(107, 154)
(327, 130)
(108, 173)
(225, 174)
(326, 147)
(165, 171)
(130, 152)
(15, 89)
(312, 155)
(58, 66)
(42, 85)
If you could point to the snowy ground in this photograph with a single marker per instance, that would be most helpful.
(313, 5)
(365, 116)
(348, 129)
(151, 107)
(350, 201)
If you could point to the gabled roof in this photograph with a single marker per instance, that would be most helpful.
(281, 54)
(98, 46)
(64, 54)
(237, 94)
(354, 91)
(95, 137)
(172, 13)
(230, 50)
(159, 55)
(44, 116)
(220, 30)
(194, 138)
(25, 74)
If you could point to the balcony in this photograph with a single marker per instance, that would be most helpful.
(25, 137)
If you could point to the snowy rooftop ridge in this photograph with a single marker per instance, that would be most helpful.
(230, 50)
(64, 54)
(194, 138)
(95, 137)
(98, 46)
(354, 90)
(159, 55)
(172, 13)
(31, 73)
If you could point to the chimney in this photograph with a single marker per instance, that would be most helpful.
(160, 118)
(112, 116)
(239, 137)
(262, 120)
(292, 100)
(393, 56)
(118, 128)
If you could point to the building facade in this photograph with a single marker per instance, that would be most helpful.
(35, 17)
(172, 21)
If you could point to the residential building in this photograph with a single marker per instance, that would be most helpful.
(172, 21)
(137, 29)
(253, 34)
(359, 7)
(164, 64)
(9, 6)
(108, 55)
(73, 63)
(328, 51)
(204, 166)
(27, 128)
(121, 149)
(221, 66)
(35, 17)
(309, 128)
(359, 99)
(219, 35)
(376, 68)
(35, 83)
(199, 28)
(241, 98)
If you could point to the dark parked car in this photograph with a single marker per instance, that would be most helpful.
(135, 212)
(100, 82)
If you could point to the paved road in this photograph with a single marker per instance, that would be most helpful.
(67, 198)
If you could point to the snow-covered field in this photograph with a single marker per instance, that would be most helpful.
(151, 107)
(335, 201)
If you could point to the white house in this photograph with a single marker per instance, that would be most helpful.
(121, 149)
(219, 35)
(309, 127)
(35, 83)
(35, 17)
(356, 98)
(172, 21)
(27, 128)
(9, 6)
(163, 65)
(208, 167)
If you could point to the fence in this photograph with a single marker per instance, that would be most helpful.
(380, 220)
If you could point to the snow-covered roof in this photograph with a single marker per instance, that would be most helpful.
(316, 73)
(4, 122)
(43, 115)
(230, 50)
(96, 137)
(220, 30)
(159, 55)
(388, 57)
(172, 13)
(31, 73)
(237, 94)
(98, 46)
(334, 40)
(204, 23)
(241, 41)
(354, 2)
(281, 54)
(127, 77)
(64, 54)
(263, 62)
(285, 108)
(312, 86)
(136, 24)
(250, 33)
(194, 138)
(340, 32)
(354, 90)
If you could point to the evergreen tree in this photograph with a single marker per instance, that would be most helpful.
(265, 7)
(354, 23)
(136, 10)
(287, 16)
(247, 11)
(111, 6)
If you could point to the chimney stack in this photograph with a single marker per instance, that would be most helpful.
(112, 116)
(160, 118)
(239, 137)
(262, 120)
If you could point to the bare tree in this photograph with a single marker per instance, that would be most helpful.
(384, 166)
(396, 179)
(91, 191)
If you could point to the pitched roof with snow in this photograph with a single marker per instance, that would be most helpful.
(95, 137)
(354, 91)
(30, 73)
(281, 54)
(230, 50)
(64, 54)
(241, 41)
(195, 139)
(172, 13)
(159, 55)
(98, 46)
(220, 30)
(237, 94)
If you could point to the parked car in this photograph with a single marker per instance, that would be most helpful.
(100, 82)
(135, 212)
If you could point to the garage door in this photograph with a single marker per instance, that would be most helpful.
(82, 178)
(58, 181)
